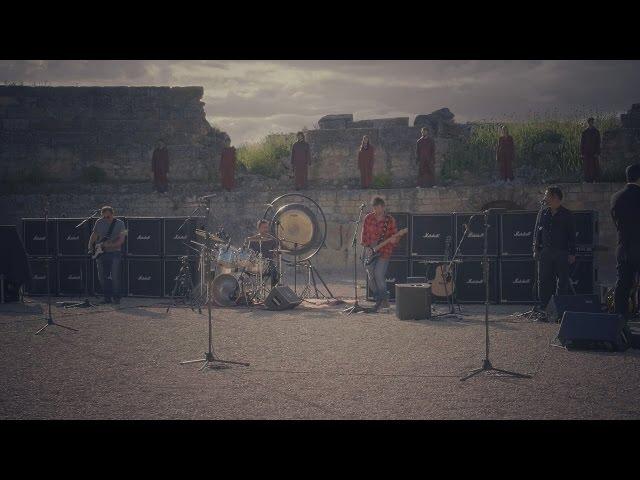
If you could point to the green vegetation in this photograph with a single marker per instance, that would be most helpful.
(382, 180)
(548, 144)
(93, 174)
(264, 157)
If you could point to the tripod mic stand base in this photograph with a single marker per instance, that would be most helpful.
(487, 367)
(84, 304)
(51, 322)
(355, 308)
(210, 361)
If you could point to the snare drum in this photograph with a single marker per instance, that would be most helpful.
(228, 257)
(246, 258)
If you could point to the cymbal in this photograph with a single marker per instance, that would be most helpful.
(210, 236)
(259, 237)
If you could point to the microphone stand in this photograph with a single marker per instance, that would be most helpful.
(87, 302)
(486, 364)
(355, 308)
(47, 259)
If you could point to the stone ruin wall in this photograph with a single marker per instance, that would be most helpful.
(62, 130)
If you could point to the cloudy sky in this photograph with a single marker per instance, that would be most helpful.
(249, 99)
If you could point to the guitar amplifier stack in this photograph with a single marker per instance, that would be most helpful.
(150, 255)
(433, 238)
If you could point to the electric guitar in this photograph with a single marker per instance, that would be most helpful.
(369, 254)
(442, 284)
(98, 249)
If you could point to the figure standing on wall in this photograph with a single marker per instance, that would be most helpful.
(590, 151)
(160, 167)
(228, 167)
(365, 162)
(300, 159)
(505, 154)
(426, 159)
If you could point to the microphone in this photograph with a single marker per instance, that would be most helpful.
(362, 206)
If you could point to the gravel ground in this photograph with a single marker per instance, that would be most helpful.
(306, 363)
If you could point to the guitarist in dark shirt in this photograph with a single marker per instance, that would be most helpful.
(110, 233)
(625, 211)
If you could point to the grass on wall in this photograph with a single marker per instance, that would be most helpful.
(264, 157)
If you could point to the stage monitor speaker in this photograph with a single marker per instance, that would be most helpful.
(470, 286)
(413, 301)
(171, 270)
(145, 237)
(425, 269)
(402, 221)
(518, 280)
(144, 277)
(38, 284)
(71, 240)
(582, 330)
(72, 275)
(35, 239)
(516, 232)
(473, 244)
(281, 298)
(397, 272)
(174, 241)
(572, 303)
(97, 287)
(583, 275)
(429, 233)
(587, 230)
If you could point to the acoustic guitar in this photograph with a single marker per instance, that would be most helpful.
(369, 254)
(442, 284)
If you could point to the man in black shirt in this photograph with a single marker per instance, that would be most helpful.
(554, 246)
(625, 211)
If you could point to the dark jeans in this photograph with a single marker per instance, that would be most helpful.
(377, 273)
(272, 272)
(553, 274)
(110, 273)
(628, 269)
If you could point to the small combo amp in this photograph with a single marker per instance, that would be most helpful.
(282, 298)
(413, 301)
(572, 303)
(583, 330)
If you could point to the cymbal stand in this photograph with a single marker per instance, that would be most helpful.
(312, 271)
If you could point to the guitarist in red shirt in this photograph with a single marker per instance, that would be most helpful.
(377, 228)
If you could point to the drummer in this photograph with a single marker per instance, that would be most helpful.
(266, 247)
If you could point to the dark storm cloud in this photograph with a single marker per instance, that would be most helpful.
(249, 99)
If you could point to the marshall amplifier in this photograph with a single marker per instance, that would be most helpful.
(518, 280)
(35, 239)
(144, 277)
(38, 270)
(470, 282)
(425, 268)
(72, 275)
(517, 232)
(97, 287)
(429, 234)
(71, 240)
(583, 275)
(171, 270)
(145, 237)
(473, 244)
(397, 272)
(586, 230)
(402, 221)
(174, 241)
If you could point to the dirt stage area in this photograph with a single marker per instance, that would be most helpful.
(306, 363)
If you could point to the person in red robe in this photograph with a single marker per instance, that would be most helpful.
(300, 159)
(160, 167)
(426, 159)
(365, 162)
(505, 154)
(590, 152)
(228, 167)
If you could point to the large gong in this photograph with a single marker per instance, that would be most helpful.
(300, 222)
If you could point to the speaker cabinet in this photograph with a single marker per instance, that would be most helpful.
(518, 280)
(597, 331)
(572, 303)
(171, 270)
(473, 244)
(413, 301)
(429, 233)
(144, 277)
(39, 277)
(73, 275)
(72, 241)
(36, 239)
(281, 298)
(470, 287)
(174, 241)
(145, 237)
(397, 272)
(587, 230)
(583, 275)
(517, 232)
(402, 221)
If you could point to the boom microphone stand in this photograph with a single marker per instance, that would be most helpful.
(486, 364)
(47, 259)
(355, 308)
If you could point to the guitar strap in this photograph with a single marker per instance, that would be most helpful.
(109, 232)
(384, 229)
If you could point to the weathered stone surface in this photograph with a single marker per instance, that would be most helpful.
(335, 121)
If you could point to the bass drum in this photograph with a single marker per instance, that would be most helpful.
(225, 290)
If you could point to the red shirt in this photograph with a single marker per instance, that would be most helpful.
(372, 230)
